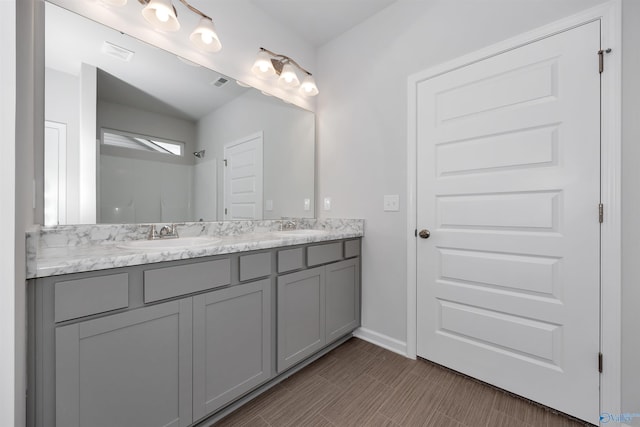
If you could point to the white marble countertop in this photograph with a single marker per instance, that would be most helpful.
(45, 258)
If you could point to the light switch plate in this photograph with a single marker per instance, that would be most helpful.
(268, 205)
(392, 203)
(307, 204)
(327, 203)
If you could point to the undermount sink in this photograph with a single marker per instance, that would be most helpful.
(181, 242)
(299, 233)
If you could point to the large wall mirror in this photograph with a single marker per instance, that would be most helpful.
(136, 134)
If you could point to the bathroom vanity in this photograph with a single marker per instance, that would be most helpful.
(182, 336)
(125, 331)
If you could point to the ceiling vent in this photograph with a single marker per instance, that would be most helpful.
(116, 51)
(220, 82)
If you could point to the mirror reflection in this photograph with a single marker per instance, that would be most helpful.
(135, 134)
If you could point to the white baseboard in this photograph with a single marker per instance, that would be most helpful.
(381, 340)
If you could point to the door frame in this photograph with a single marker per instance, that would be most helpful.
(610, 16)
(61, 159)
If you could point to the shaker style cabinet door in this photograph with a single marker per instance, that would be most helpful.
(128, 369)
(342, 298)
(301, 307)
(232, 344)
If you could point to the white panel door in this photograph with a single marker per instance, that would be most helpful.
(55, 173)
(243, 178)
(508, 185)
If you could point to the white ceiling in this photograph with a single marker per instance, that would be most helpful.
(318, 21)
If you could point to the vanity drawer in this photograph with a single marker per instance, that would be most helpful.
(351, 248)
(255, 265)
(290, 259)
(169, 282)
(322, 254)
(92, 295)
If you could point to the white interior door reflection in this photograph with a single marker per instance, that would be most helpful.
(243, 178)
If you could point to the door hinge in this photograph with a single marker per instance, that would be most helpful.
(600, 362)
(601, 213)
(601, 59)
(225, 211)
(415, 232)
(225, 162)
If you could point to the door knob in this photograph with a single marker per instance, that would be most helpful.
(424, 233)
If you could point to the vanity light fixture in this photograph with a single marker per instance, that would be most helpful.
(162, 15)
(269, 64)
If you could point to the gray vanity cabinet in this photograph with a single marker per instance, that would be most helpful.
(231, 344)
(301, 328)
(128, 369)
(176, 343)
(342, 296)
(316, 307)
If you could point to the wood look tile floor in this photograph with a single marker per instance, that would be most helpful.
(360, 384)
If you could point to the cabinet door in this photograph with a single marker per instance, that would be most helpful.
(232, 344)
(342, 298)
(301, 326)
(128, 369)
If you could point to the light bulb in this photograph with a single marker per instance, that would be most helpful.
(205, 36)
(162, 15)
(263, 67)
(288, 77)
(308, 86)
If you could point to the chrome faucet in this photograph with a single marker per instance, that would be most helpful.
(166, 232)
(288, 224)
(169, 232)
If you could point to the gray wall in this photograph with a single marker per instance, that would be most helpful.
(137, 186)
(630, 208)
(288, 133)
(136, 190)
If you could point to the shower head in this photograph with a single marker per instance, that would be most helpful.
(199, 154)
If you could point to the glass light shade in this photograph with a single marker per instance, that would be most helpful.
(308, 86)
(161, 15)
(205, 36)
(263, 66)
(288, 77)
